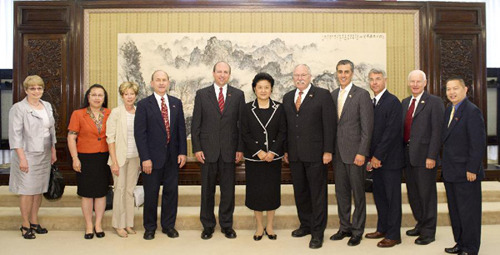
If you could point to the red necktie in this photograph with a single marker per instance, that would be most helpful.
(409, 120)
(221, 100)
(164, 114)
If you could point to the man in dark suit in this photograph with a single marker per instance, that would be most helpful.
(160, 135)
(422, 122)
(310, 116)
(217, 145)
(387, 161)
(354, 133)
(464, 145)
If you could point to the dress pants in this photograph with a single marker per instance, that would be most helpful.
(123, 198)
(168, 175)
(310, 190)
(209, 172)
(464, 206)
(422, 195)
(350, 179)
(387, 196)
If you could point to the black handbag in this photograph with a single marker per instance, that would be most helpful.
(56, 184)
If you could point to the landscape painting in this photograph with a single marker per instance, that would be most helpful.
(188, 58)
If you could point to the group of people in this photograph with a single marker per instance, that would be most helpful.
(310, 129)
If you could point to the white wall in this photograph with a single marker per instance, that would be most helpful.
(6, 33)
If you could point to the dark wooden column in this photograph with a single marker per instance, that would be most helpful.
(43, 45)
(457, 46)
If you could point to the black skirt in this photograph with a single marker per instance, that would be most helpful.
(263, 185)
(93, 181)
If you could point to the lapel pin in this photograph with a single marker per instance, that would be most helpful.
(310, 95)
(423, 102)
(456, 119)
(350, 96)
(173, 106)
(228, 94)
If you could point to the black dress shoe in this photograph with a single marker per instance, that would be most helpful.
(207, 233)
(229, 233)
(316, 243)
(354, 240)
(171, 232)
(340, 235)
(453, 250)
(466, 253)
(272, 237)
(149, 235)
(300, 232)
(424, 240)
(38, 229)
(88, 235)
(258, 238)
(99, 234)
(413, 232)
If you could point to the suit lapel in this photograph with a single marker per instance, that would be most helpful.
(157, 112)
(292, 101)
(382, 99)
(90, 122)
(229, 100)
(309, 96)
(348, 99)
(456, 117)
(173, 113)
(123, 121)
(421, 103)
(210, 93)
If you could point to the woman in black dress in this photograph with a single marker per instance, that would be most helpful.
(263, 128)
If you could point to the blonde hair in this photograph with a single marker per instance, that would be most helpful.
(128, 85)
(33, 80)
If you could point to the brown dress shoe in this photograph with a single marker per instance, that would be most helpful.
(375, 235)
(387, 243)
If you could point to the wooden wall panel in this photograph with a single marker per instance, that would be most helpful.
(48, 41)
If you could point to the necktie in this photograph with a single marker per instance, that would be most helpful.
(341, 102)
(374, 102)
(409, 120)
(221, 100)
(299, 100)
(164, 114)
(451, 115)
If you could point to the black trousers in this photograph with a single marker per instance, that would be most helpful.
(387, 196)
(464, 206)
(209, 173)
(168, 175)
(349, 182)
(310, 190)
(422, 196)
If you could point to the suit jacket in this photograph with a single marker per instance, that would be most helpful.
(215, 133)
(310, 131)
(425, 134)
(150, 133)
(25, 126)
(263, 135)
(117, 132)
(355, 126)
(387, 138)
(464, 143)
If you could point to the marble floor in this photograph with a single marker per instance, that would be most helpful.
(189, 242)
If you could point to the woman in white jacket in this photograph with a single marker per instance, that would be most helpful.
(32, 137)
(123, 159)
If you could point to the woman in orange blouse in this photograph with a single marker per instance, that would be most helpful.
(89, 151)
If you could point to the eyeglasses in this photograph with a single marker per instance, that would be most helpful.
(304, 75)
(35, 89)
(97, 95)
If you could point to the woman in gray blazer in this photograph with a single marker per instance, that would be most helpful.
(32, 138)
(123, 159)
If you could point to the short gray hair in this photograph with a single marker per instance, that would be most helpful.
(377, 71)
(304, 65)
(417, 72)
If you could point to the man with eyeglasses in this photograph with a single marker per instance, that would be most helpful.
(311, 123)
